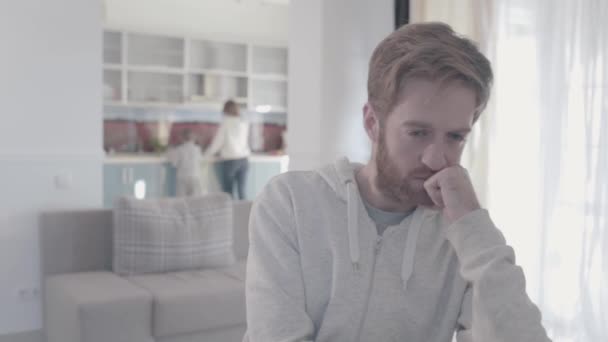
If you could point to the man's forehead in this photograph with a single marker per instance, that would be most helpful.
(426, 91)
(432, 102)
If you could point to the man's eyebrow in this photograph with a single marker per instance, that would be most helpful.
(421, 124)
(462, 130)
(414, 123)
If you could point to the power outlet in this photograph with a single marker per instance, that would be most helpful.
(28, 294)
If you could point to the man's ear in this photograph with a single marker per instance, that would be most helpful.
(371, 122)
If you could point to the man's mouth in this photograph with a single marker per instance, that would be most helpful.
(424, 176)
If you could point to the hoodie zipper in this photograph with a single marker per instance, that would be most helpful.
(378, 245)
(377, 248)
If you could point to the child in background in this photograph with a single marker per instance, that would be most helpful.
(187, 159)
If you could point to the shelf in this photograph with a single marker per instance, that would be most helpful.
(155, 87)
(115, 103)
(163, 105)
(141, 104)
(155, 69)
(269, 109)
(116, 67)
(218, 72)
(269, 60)
(112, 47)
(219, 88)
(158, 51)
(197, 99)
(209, 55)
(192, 105)
(112, 85)
(268, 93)
(145, 70)
(269, 77)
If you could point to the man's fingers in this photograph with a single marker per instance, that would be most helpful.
(434, 191)
(451, 190)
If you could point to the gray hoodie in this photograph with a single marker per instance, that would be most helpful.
(318, 271)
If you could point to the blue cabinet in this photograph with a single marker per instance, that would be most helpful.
(114, 183)
(153, 177)
(141, 180)
(260, 172)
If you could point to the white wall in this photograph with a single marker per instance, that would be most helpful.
(305, 95)
(50, 125)
(330, 45)
(224, 19)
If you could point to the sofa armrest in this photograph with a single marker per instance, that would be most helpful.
(75, 241)
(96, 307)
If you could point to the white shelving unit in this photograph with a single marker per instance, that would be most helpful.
(154, 70)
(112, 48)
(155, 51)
(269, 60)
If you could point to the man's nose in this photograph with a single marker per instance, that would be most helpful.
(434, 157)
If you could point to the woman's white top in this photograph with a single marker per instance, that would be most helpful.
(231, 139)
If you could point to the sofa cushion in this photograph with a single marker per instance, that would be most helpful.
(96, 306)
(193, 301)
(172, 234)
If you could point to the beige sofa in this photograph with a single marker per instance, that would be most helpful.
(85, 302)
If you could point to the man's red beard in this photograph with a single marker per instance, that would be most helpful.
(392, 184)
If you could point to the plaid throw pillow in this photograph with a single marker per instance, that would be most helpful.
(172, 234)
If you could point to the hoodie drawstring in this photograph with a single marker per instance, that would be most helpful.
(346, 176)
(353, 224)
(409, 253)
(407, 266)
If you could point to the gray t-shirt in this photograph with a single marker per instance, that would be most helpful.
(385, 219)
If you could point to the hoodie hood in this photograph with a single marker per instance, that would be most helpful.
(340, 176)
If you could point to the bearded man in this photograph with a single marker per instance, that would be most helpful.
(398, 249)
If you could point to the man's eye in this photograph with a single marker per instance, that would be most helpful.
(456, 137)
(420, 133)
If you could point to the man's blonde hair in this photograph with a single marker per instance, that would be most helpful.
(430, 51)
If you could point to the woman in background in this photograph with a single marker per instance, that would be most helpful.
(231, 141)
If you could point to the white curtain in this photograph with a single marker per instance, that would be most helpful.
(541, 153)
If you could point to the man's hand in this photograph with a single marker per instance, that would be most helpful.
(452, 191)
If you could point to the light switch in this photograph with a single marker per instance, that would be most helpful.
(63, 180)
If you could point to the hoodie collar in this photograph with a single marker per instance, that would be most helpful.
(340, 176)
